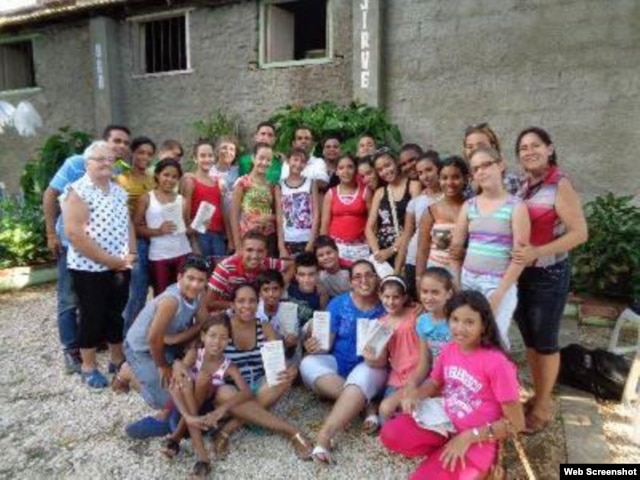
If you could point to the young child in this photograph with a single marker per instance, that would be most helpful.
(333, 277)
(198, 187)
(297, 204)
(167, 247)
(303, 290)
(403, 347)
(199, 377)
(479, 384)
(253, 206)
(437, 222)
(493, 222)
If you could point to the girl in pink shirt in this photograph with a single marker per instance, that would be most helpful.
(479, 386)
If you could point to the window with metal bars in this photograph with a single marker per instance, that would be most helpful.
(16, 65)
(162, 45)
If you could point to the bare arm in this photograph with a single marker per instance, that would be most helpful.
(458, 239)
(422, 368)
(190, 333)
(277, 194)
(165, 312)
(371, 228)
(316, 206)
(51, 210)
(326, 213)
(424, 243)
(415, 188)
(236, 202)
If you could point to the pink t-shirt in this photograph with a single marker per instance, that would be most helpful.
(475, 384)
(403, 349)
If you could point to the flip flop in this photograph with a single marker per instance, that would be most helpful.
(301, 446)
(371, 425)
(322, 455)
(94, 379)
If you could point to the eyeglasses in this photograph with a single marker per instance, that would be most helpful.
(103, 159)
(483, 166)
(363, 276)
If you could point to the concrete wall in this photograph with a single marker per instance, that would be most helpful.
(64, 95)
(571, 66)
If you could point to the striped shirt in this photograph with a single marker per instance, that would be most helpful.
(249, 362)
(231, 272)
(490, 238)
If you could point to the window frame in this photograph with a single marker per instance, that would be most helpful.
(137, 46)
(21, 39)
(262, 26)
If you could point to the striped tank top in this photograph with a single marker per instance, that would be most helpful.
(249, 362)
(490, 238)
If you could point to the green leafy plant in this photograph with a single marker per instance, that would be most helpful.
(609, 262)
(328, 118)
(56, 149)
(22, 235)
(216, 125)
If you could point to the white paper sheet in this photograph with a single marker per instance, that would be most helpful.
(431, 415)
(203, 216)
(172, 212)
(321, 329)
(288, 316)
(273, 361)
(363, 328)
(383, 269)
(378, 338)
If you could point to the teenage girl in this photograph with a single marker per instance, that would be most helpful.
(167, 247)
(437, 222)
(479, 386)
(201, 375)
(436, 288)
(384, 230)
(493, 223)
(199, 187)
(344, 212)
(253, 201)
(428, 168)
(225, 172)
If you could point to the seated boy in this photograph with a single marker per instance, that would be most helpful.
(333, 277)
(304, 290)
(160, 332)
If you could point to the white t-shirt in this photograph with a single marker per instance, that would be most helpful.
(417, 206)
(316, 169)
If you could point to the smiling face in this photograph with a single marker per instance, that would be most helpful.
(466, 327)
(331, 150)
(369, 176)
(533, 154)
(245, 304)
(364, 281)
(393, 298)
(192, 283)
(119, 142)
(427, 173)
(99, 164)
(346, 170)
(141, 156)
(204, 157)
(168, 179)
(433, 294)
(366, 146)
(215, 340)
(262, 160)
(452, 181)
(227, 152)
(328, 258)
(407, 164)
(270, 293)
(254, 252)
(474, 141)
(386, 168)
(303, 138)
(486, 169)
(265, 134)
(297, 162)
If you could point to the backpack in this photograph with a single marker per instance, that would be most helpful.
(596, 371)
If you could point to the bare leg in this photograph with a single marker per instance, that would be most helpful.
(329, 386)
(88, 359)
(349, 404)
(547, 367)
(533, 368)
(390, 405)
(117, 355)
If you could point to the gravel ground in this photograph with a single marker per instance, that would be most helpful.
(53, 426)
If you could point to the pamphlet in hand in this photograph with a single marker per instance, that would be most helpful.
(378, 338)
(383, 269)
(172, 212)
(431, 415)
(321, 329)
(363, 328)
(288, 316)
(273, 361)
(203, 216)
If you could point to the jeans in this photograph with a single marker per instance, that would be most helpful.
(67, 305)
(139, 286)
(212, 244)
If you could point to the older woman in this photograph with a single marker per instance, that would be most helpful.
(557, 226)
(339, 373)
(100, 256)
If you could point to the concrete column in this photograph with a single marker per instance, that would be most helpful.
(107, 81)
(367, 42)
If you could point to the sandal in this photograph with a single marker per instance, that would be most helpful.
(94, 379)
(170, 448)
(534, 424)
(371, 425)
(221, 446)
(201, 469)
(301, 446)
(322, 455)
(118, 385)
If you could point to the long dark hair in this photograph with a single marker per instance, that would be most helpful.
(543, 135)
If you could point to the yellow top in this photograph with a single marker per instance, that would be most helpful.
(135, 187)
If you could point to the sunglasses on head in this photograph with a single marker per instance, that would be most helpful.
(477, 126)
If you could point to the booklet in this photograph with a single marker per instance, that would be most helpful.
(431, 415)
(383, 269)
(321, 329)
(378, 337)
(363, 328)
(172, 212)
(273, 361)
(288, 317)
(203, 216)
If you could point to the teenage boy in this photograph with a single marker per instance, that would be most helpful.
(270, 289)
(316, 168)
(304, 290)
(265, 133)
(243, 267)
(333, 277)
(331, 152)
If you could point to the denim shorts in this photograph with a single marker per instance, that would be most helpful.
(542, 294)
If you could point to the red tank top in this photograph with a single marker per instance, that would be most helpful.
(348, 216)
(212, 195)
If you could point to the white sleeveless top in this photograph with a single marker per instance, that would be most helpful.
(297, 211)
(164, 247)
(108, 224)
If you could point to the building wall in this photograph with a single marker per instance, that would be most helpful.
(64, 77)
(569, 66)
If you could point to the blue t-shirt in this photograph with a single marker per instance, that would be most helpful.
(308, 302)
(71, 170)
(436, 333)
(344, 318)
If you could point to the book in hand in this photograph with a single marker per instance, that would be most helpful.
(383, 269)
(172, 212)
(379, 336)
(321, 329)
(288, 317)
(363, 328)
(273, 361)
(203, 216)
(431, 415)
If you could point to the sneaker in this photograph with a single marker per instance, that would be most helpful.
(72, 362)
(147, 427)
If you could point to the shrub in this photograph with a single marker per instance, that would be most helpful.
(609, 262)
(22, 235)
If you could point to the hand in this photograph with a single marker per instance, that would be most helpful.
(290, 340)
(455, 451)
(312, 345)
(196, 422)
(129, 259)
(230, 245)
(382, 255)
(167, 228)
(524, 254)
(494, 300)
(284, 253)
(180, 374)
(211, 419)
(116, 263)
(309, 246)
(409, 400)
(53, 244)
(288, 375)
(369, 354)
(166, 373)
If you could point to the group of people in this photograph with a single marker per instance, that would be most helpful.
(443, 252)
